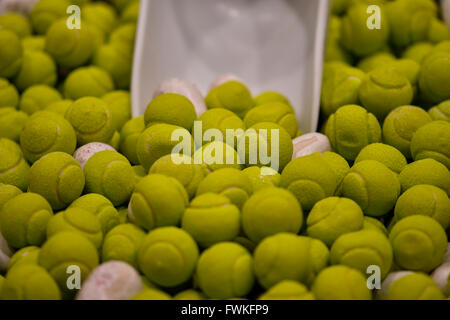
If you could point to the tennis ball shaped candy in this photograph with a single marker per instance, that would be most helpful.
(16, 23)
(102, 15)
(221, 119)
(100, 207)
(120, 106)
(11, 54)
(77, 220)
(26, 255)
(71, 48)
(85, 152)
(438, 31)
(14, 169)
(340, 87)
(57, 177)
(87, 81)
(30, 282)
(34, 43)
(434, 77)
(330, 281)
(24, 218)
(287, 290)
(130, 13)
(60, 107)
(400, 126)
(9, 97)
(426, 200)
(350, 129)
(129, 136)
(262, 177)
(229, 182)
(158, 201)
(357, 37)
(373, 186)
(171, 108)
(385, 154)
(111, 175)
(162, 139)
(125, 34)
(45, 12)
(414, 286)
(67, 249)
(37, 68)
(92, 120)
(419, 243)
(186, 172)
(12, 122)
(333, 217)
(276, 112)
(441, 111)
(384, 89)
(225, 271)
(217, 155)
(37, 98)
(122, 243)
(7, 192)
(271, 211)
(231, 95)
(151, 294)
(211, 218)
(361, 249)
(189, 295)
(271, 96)
(418, 51)
(337, 163)
(426, 171)
(310, 179)
(168, 256)
(375, 60)
(432, 141)
(374, 224)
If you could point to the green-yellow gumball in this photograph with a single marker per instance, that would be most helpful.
(225, 271)
(310, 179)
(37, 68)
(386, 154)
(333, 217)
(211, 218)
(434, 77)
(231, 95)
(101, 207)
(171, 108)
(189, 174)
(7, 192)
(77, 220)
(158, 201)
(384, 89)
(419, 243)
(87, 81)
(414, 286)
(432, 141)
(111, 175)
(92, 120)
(57, 177)
(441, 111)
(129, 136)
(271, 211)
(45, 12)
(23, 220)
(162, 139)
(122, 243)
(221, 119)
(426, 171)
(37, 98)
(14, 169)
(330, 282)
(426, 200)
(217, 155)
(29, 282)
(400, 126)
(47, 132)
(287, 290)
(9, 97)
(11, 54)
(65, 250)
(229, 182)
(168, 256)
(350, 129)
(120, 106)
(12, 122)
(362, 249)
(373, 186)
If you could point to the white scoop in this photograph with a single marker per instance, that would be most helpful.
(271, 45)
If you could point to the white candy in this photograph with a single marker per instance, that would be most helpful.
(113, 280)
(19, 6)
(390, 279)
(310, 143)
(447, 254)
(5, 253)
(223, 79)
(441, 275)
(185, 88)
(83, 153)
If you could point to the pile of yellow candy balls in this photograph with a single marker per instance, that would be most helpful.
(95, 204)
